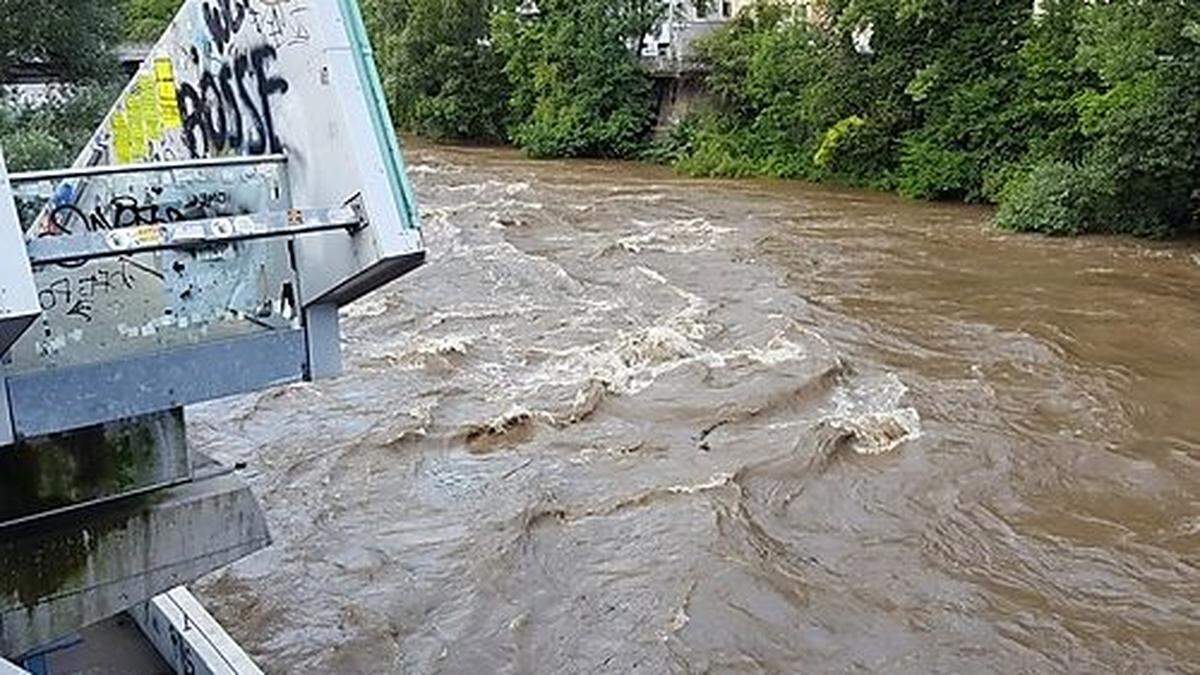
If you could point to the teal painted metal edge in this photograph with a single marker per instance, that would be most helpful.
(381, 118)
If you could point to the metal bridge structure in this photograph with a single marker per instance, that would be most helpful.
(245, 186)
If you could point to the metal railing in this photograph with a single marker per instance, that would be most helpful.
(148, 167)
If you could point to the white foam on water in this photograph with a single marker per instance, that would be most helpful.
(652, 274)
(871, 412)
(881, 432)
(674, 236)
(415, 353)
(370, 306)
(718, 481)
(432, 169)
(510, 418)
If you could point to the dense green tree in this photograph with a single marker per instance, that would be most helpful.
(1080, 119)
(848, 98)
(1135, 163)
(51, 133)
(577, 88)
(71, 42)
(67, 37)
(443, 78)
(145, 20)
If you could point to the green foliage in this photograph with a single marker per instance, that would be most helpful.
(773, 101)
(835, 138)
(577, 87)
(145, 20)
(672, 147)
(72, 41)
(717, 148)
(51, 133)
(931, 170)
(1052, 197)
(443, 78)
(69, 37)
(1127, 158)
(840, 108)
(563, 83)
(1081, 120)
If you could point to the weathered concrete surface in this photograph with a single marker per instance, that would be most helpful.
(92, 464)
(678, 96)
(60, 575)
(115, 646)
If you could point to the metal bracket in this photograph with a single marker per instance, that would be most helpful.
(84, 246)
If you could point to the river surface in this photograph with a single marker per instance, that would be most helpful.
(629, 422)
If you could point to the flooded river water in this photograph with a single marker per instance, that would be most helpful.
(629, 422)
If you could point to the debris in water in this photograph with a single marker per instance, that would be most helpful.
(880, 433)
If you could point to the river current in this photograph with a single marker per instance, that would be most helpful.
(627, 422)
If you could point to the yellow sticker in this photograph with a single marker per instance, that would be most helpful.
(168, 101)
(154, 121)
(148, 235)
(120, 140)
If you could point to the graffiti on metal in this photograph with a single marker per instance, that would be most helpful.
(228, 79)
(145, 302)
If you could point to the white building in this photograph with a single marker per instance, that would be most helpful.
(684, 24)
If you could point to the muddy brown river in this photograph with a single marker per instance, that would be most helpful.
(629, 422)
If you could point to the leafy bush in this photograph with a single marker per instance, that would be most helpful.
(51, 133)
(716, 151)
(577, 88)
(1054, 198)
(442, 77)
(674, 146)
(75, 38)
(1081, 119)
(835, 137)
(1126, 154)
(929, 170)
(145, 20)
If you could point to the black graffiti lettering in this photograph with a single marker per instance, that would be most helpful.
(233, 109)
(215, 127)
(192, 112)
(95, 284)
(98, 221)
(62, 220)
(268, 85)
(58, 292)
(224, 20)
(126, 211)
(122, 275)
(82, 309)
(258, 145)
(78, 295)
(235, 131)
(205, 205)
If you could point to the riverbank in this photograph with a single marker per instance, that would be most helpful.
(1070, 118)
(985, 213)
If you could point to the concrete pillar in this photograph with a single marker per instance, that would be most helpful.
(65, 573)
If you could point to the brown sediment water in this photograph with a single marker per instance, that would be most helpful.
(629, 422)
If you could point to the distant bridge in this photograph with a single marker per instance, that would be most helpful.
(130, 57)
(671, 67)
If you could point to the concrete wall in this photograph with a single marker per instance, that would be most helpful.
(65, 574)
(676, 98)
